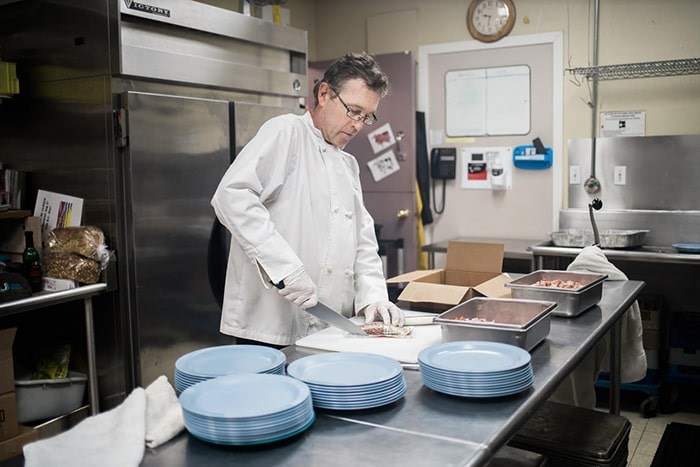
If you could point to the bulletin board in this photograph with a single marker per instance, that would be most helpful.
(487, 101)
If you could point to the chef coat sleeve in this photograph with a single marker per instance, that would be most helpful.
(253, 179)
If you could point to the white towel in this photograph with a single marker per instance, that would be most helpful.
(579, 388)
(163, 413)
(110, 439)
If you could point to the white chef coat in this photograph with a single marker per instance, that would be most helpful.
(290, 199)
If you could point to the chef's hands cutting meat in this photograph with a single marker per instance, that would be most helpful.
(300, 289)
(384, 311)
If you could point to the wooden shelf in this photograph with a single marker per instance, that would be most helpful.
(15, 214)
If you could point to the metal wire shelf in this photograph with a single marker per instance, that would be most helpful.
(687, 66)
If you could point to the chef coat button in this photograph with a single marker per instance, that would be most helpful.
(348, 215)
(329, 269)
(335, 208)
(349, 273)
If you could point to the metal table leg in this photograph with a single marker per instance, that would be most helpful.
(615, 355)
(91, 362)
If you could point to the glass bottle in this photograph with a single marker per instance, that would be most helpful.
(32, 263)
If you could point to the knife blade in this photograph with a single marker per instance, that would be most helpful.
(327, 315)
(337, 320)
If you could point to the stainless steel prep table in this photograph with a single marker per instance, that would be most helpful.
(646, 253)
(512, 248)
(426, 427)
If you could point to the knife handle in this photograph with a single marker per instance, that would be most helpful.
(279, 285)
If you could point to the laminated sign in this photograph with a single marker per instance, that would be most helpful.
(57, 210)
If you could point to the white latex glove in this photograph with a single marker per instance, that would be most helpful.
(300, 289)
(384, 311)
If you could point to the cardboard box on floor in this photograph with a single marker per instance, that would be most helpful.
(13, 447)
(7, 370)
(8, 402)
(471, 270)
(9, 427)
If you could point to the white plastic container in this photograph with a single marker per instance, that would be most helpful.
(41, 399)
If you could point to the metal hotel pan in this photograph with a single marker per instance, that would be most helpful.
(610, 238)
(523, 323)
(570, 302)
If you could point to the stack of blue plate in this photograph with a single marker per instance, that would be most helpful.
(476, 369)
(247, 409)
(212, 362)
(350, 380)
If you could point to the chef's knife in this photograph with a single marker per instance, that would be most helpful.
(329, 316)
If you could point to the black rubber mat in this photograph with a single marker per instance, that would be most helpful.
(679, 446)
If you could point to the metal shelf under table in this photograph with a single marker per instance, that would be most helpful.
(46, 299)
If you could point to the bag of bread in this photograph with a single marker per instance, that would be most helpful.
(87, 241)
(72, 266)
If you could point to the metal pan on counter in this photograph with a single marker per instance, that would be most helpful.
(610, 238)
(523, 323)
(585, 290)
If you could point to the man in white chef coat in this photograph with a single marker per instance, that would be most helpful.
(293, 203)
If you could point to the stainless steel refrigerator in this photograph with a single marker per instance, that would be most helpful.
(140, 111)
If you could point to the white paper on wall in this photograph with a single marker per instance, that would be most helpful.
(384, 165)
(381, 138)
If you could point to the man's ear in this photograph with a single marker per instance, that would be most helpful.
(324, 91)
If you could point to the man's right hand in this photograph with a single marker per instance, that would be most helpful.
(300, 289)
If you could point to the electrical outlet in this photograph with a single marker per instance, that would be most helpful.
(574, 175)
(620, 175)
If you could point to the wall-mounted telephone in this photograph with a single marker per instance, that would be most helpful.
(443, 163)
(443, 166)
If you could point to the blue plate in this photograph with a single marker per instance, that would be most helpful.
(249, 396)
(475, 357)
(272, 437)
(687, 247)
(345, 369)
(229, 359)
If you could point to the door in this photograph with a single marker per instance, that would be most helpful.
(391, 200)
(178, 150)
(529, 209)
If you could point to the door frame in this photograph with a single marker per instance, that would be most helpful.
(556, 39)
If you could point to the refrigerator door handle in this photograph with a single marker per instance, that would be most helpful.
(217, 255)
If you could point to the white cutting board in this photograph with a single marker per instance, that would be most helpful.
(404, 350)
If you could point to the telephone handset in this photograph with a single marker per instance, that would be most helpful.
(443, 163)
(443, 166)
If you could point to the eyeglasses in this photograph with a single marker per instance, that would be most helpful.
(355, 114)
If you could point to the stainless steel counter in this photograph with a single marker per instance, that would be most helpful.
(646, 253)
(426, 428)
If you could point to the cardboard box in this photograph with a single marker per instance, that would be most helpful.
(471, 270)
(9, 427)
(7, 370)
(13, 447)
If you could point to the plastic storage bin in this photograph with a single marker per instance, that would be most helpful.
(41, 399)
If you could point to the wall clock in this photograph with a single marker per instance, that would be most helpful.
(490, 20)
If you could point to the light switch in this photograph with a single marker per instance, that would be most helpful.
(574, 175)
(620, 175)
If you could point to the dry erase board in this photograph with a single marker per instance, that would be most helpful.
(487, 101)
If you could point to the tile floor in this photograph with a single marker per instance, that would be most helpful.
(646, 433)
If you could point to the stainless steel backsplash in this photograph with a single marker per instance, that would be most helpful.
(661, 190)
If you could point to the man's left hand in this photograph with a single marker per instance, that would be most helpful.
(384, 311)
